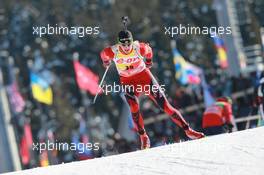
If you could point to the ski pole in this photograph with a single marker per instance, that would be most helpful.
(106, 70)
(261, 112)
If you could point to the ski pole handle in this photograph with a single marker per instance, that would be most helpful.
(125, 21)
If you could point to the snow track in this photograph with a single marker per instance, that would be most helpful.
(238, 153)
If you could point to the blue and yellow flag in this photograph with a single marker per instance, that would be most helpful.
(186, 73)
(40, 89)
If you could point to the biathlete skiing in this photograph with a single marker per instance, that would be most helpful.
(133, 59)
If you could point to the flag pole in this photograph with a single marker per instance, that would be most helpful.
(86, 104)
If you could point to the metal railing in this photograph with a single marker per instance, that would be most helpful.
(196, 107)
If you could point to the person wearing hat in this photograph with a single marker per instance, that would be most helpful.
(133, 59)
(218, 118)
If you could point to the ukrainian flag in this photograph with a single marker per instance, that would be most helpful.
(40, 89)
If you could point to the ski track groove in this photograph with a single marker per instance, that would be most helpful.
(205, 161)
(247, 152)
(192, 166)
(138, 166)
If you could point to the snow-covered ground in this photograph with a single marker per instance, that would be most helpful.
(238, 153)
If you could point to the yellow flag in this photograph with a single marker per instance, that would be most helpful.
(42, 95)
(41, 90)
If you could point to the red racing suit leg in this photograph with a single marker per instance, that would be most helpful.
(143, 79)
(162, 102)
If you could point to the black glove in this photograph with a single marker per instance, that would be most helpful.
(148, 63)
(228, 127)
(106, 64)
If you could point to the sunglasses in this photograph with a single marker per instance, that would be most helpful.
(126, 44)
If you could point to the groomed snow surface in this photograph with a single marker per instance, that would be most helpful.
(238, 153)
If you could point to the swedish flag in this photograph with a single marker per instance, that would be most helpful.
(41, 90)
(185, 72)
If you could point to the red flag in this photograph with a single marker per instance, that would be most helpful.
(24, 151)
(25, 144)
(86, 79)
(28, 134)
